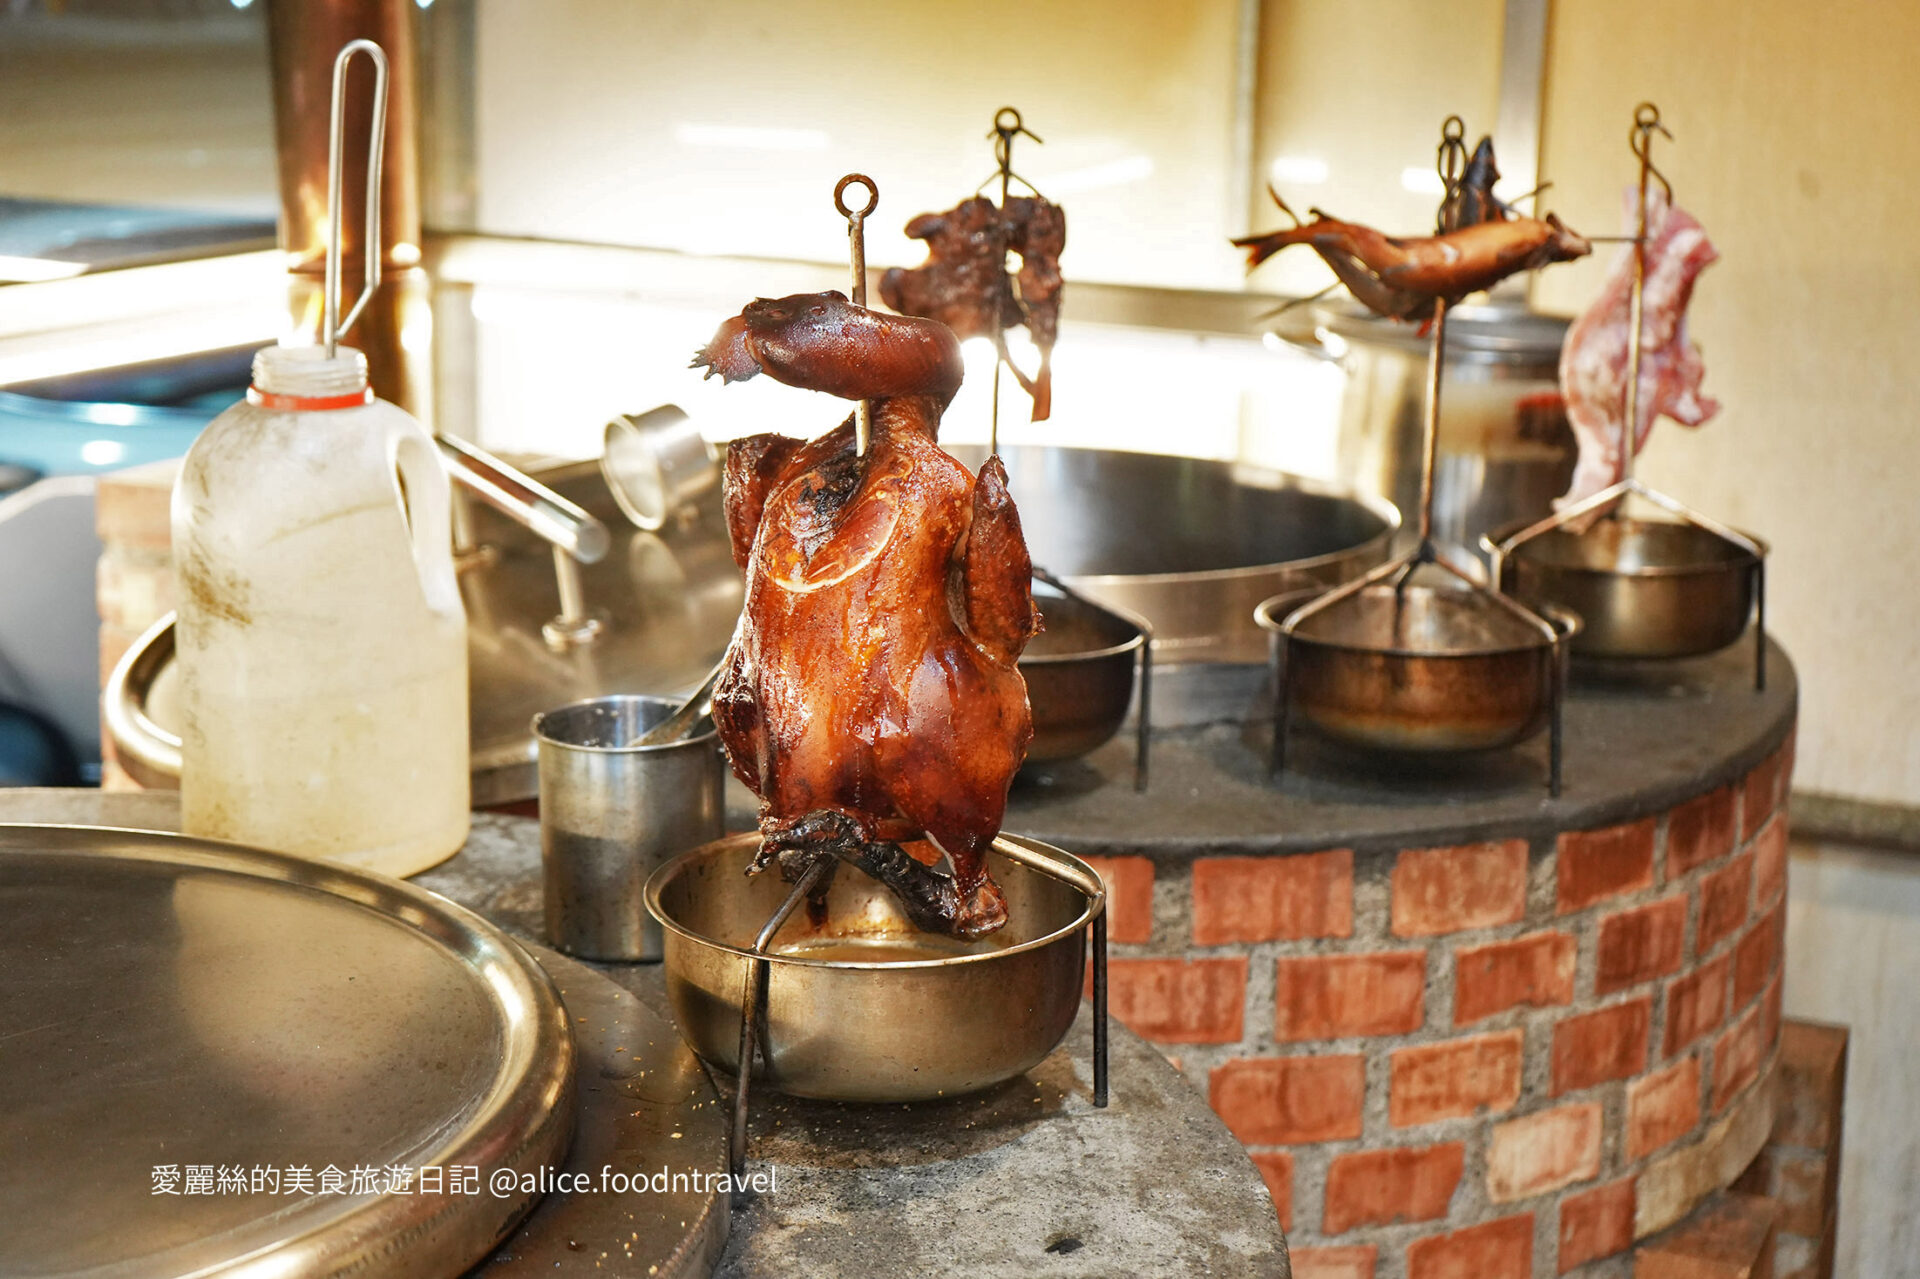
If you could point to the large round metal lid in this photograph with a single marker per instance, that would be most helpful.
(216, 1060)
(1503, 331)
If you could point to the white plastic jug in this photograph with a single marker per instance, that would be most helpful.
(321, 640)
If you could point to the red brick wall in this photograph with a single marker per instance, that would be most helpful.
(1472, 1060)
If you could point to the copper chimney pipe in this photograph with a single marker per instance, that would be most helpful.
(303, 36)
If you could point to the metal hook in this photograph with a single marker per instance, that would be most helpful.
(1007, 125)
(840, 191)
(1450, 159)
(1452, 154)
(333, 327)
(1646, 122)
(857, 253)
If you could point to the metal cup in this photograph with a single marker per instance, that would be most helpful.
(656, 464)
(610, 812)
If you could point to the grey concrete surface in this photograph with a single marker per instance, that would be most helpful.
(1638, 738)
(1026, 1179)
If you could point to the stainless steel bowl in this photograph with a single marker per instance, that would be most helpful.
(1643, 588)
(862, 1006)
(1441, 670)
(1080, 676)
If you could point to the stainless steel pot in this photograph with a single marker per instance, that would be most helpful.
(862, 1006)
(1439, 670)
(1643, 588)
(1505, 449)
(1080, 674)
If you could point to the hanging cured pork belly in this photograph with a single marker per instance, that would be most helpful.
(1593, 364)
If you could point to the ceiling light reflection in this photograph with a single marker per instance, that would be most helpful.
(746, 137)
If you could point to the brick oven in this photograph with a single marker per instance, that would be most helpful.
(1483, 1035)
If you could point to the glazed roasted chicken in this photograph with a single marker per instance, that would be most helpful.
(870, 697)
(965, 284)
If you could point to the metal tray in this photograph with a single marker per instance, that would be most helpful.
(205, 1010)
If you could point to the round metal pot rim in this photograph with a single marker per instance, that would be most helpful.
(1564, 620)
(535, 736)
(1385, 511)
(1142, 630)
(658, 881)
(1085, 654)
(1744, 559)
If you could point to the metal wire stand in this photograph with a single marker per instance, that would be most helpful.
(1451, 163)
(1612, 499)
(753, 997)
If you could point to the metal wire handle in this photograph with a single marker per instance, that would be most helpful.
(1450, 160)
(333, 327)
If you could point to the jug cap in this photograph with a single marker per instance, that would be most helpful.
(307, 378)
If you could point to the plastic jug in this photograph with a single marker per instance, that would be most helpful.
(321, 640)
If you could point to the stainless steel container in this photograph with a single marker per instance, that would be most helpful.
(1080, 674)
(1505, 448)
(1434, 670)
(657, 464)
(1644, 588)
(611, 812)
(861, 1006)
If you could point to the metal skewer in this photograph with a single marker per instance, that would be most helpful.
(333, 328)
(1006, 126)
(857, 252)
(751, 1011)
(1646, 119)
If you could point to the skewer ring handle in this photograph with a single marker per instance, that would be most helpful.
(839, 194)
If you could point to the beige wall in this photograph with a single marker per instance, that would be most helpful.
(617, 122)
(1795, 144)
(1361, 86)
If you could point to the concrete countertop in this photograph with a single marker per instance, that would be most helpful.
(1639, 738)
(1027, 1179)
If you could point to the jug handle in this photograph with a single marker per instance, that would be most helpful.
(420, 490)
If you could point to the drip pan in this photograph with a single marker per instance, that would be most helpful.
(1080, 674)
(1420, 668)
(1643, 588)
(861, 1006)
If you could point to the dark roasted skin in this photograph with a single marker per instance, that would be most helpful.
(870, 697)
(965, 284)
(1473, 201)
(1402, 277)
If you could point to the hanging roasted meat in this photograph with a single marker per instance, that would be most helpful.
(965, 283)
(1401, 277)
(870, 697)
(1593, 363)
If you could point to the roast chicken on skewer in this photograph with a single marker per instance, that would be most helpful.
(870, 697)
